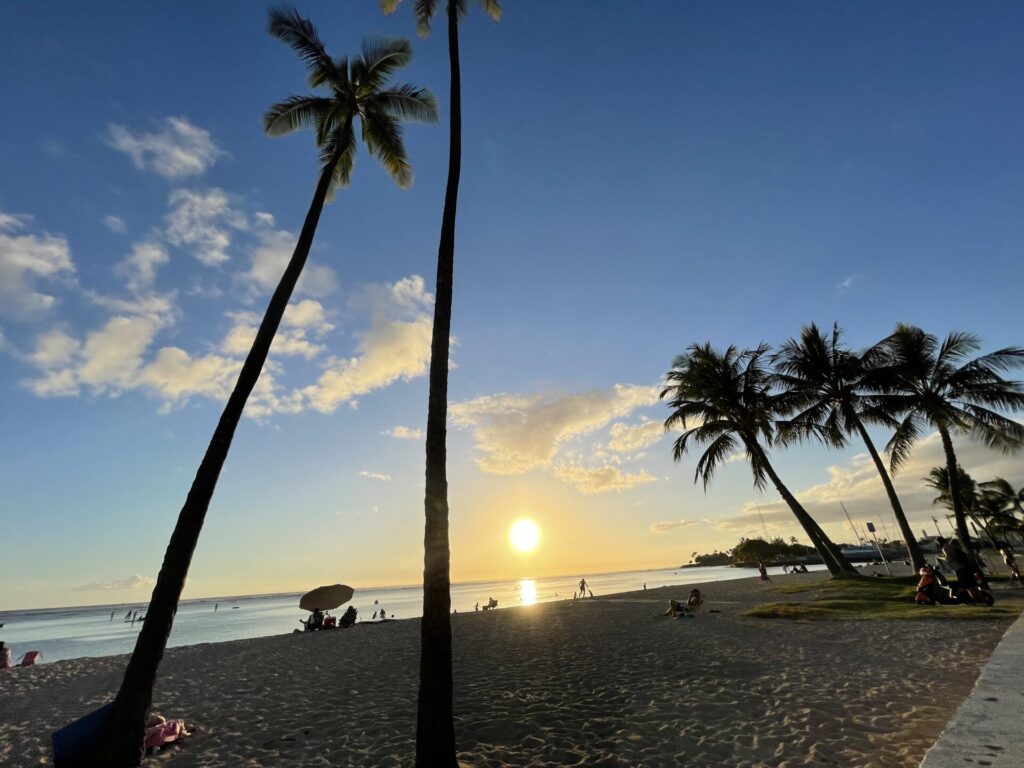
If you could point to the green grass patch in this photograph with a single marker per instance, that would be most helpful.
(877, 599)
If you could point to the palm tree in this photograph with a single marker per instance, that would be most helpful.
(435, 715)
(356, 90)
(937, 385)
(967, 489)
(725, 397)
(828, 386)
(1000, 489)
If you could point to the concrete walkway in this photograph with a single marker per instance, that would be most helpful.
(988, 729)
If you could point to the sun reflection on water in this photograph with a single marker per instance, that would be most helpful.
(527, 591)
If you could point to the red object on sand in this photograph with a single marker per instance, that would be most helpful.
(30, 658)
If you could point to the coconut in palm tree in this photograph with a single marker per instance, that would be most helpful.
(722, 400)
(940, 386)
(356, 91)
(435, 721)
(826, 389)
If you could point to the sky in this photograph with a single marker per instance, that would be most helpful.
(636, 178)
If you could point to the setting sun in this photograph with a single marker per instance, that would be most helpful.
(524, 535)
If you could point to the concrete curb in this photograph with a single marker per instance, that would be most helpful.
(987, 728)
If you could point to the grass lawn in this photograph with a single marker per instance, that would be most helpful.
(869, 599)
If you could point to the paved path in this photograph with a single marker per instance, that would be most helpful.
(987, 729)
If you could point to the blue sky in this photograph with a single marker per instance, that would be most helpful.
(636, 177)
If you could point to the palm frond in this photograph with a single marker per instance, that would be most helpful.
(383, 137)
(902, 441)
(718, 451)
(406, 102)
(378, 60)
(298, 33)
(294, 113)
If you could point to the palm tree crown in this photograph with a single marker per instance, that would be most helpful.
(424, 10)
(721, 400)
(355, 89)
(830, 389)
(939, 385)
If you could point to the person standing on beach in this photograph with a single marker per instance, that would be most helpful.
(583, 586)
(763, 571)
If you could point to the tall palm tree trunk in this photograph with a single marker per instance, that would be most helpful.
(435, 716)
(122, 736)
(959, 513)
(833, 559)
(916, 558)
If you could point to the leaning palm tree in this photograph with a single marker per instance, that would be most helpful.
(435, 715)
(828, 388)
(353, 91)
(937, 385)
(723, 400)
(1000, 489)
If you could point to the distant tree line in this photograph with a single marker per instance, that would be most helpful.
(756, 550)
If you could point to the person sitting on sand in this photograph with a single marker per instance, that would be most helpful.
(693, 603)
(161, 731)
(763, 571)
(348, 618)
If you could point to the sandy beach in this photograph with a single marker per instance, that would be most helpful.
(601, 682)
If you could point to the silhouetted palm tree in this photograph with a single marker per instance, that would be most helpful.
(356, 90)
(979, 508)
(435, 722)
(932, 384)
(725, 397)
(827, 386)
(1000, 489)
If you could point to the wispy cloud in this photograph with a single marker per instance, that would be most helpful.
(115, 224)
(178, 150)
(201, 222)
(26, 260)
(132, 582)
(665, 527)
(405, 433)
(848, 282)
(374, 475)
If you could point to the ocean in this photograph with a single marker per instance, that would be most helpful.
(107, 630)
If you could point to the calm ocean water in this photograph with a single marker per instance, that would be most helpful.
(66, 633)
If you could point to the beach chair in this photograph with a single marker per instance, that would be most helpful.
(30, 658)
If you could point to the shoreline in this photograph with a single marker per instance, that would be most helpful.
(602, 681)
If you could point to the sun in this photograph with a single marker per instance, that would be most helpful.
(524, 535)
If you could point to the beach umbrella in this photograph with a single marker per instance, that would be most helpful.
(326, 598)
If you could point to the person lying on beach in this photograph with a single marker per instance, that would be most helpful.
(693, 603)
(160, 731)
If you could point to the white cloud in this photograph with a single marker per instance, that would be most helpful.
(517, 433)
(665, 527)
(175, 375)
(139, 268)
(847, 283)
(405, 433)
(25, 260)
(115, 224)
(627, 438)
(179, 149)
(857, 484)
(270, 258)
(201, 222)
(395, 346)
(302, 320)
(591, 480)
(374, 475)
(132, 582)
